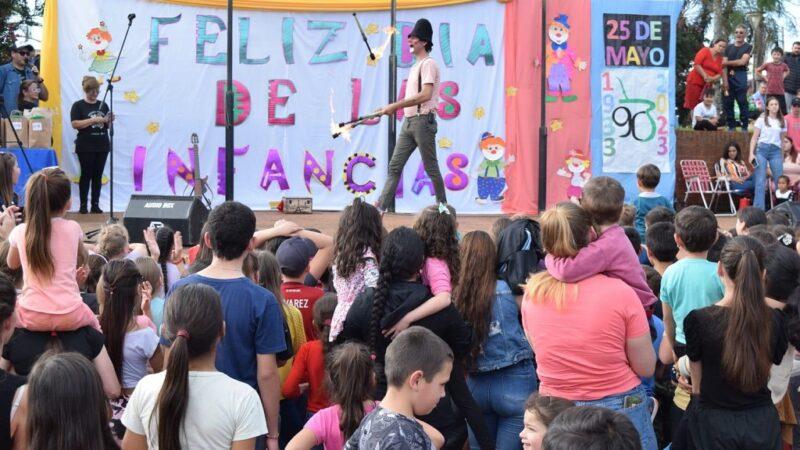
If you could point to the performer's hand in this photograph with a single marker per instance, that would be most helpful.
(387, 110)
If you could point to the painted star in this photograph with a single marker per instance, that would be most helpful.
(479, 113)
(371, 29)
(556, 124)
(445, 143)
(153, 127)
(131, 96)
(511, 91)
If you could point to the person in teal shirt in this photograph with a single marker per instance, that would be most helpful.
(692, 282)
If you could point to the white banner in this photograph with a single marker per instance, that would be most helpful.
(290, 71)
(636, 125)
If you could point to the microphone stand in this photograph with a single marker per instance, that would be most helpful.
(7, 116)
(110, 92)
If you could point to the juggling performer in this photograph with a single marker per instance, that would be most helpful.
(419, 126)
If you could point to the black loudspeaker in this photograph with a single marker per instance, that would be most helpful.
(792, 210)
(184, 214)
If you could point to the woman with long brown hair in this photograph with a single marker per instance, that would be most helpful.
(765, 148)
(9, 176)
(191, 404)
(501, 370)
(732, 345)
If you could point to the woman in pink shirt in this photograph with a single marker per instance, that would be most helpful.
(791, 160)
(591, 338)
(46, 246)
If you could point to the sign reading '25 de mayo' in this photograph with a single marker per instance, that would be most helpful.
(636, 40)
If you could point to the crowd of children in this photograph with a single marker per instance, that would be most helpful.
(601, 326)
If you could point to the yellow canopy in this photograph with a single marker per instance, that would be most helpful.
(318, 5)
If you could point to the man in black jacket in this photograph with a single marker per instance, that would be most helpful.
(791, 84)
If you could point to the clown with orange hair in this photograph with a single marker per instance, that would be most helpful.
(577, 170)
(491, 177)
(561, 62)
(99, 39)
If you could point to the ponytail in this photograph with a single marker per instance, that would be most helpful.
(322, 316)
(349, 382)
(7, 163)
(46, 194)
(746, 360)
(565, 230)
(193, 323)
(174, 396)
(120, 295)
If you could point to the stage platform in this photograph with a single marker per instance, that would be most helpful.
(327, 221)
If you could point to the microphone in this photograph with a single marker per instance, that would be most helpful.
(131, 16)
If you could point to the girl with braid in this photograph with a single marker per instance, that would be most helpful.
(399, 291)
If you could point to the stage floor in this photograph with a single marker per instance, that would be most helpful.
(328, 221)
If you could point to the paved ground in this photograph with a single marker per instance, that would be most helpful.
(328, 221)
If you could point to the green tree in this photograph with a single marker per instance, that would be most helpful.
(15, 17)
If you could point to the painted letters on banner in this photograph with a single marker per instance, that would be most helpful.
(295, 74)
(635, 119)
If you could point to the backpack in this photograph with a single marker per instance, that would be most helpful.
(519, 252)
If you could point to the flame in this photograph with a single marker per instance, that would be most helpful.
(336, 130)
(378, 52)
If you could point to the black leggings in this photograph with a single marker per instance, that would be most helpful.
(92, 165)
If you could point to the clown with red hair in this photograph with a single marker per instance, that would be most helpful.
(99, 39)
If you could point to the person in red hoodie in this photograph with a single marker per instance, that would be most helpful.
(309, 363)
(294, 256)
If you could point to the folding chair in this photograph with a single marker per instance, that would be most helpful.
(697, 179)
(722, 186)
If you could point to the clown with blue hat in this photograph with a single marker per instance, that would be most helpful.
(561, 62)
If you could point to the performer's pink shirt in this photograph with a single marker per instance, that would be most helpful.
(430, 75)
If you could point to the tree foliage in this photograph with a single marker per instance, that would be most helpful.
(15, 17)
(765, 20)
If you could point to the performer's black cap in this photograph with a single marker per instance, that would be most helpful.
(422, 31)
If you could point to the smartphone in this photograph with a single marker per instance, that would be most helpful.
(632, 400)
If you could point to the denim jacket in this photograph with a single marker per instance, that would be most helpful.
(505, 343)
(10, 82)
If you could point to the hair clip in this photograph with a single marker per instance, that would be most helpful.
(443, 209)
(786, 239)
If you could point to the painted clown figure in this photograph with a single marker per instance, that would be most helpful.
(561, 62)
(578, 171)
(102, 60)
(491, 176)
